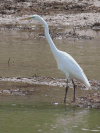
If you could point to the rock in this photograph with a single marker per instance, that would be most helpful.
(17, 93)
(6, 92)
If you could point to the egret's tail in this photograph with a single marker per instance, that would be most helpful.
(86, 82)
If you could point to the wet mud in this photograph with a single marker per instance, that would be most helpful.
(25, 86)
(69, 14)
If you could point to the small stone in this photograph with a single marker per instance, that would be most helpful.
(6, 92)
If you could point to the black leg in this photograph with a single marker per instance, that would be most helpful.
(74, 89)
(66, 89)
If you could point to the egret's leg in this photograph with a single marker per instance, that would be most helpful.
(66, 89)
(74, 89)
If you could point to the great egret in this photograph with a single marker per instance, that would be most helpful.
(65, 62)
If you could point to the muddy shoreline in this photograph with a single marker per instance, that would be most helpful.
(73, 15)
(95, 84)
(86, 101)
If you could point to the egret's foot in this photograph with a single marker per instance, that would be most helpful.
(65, 108)
(66, 89)
(64, 100)
(65, 105)
(73, 101)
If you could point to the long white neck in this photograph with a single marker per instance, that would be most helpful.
(52, 45)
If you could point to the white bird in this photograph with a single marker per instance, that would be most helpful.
(65, 62)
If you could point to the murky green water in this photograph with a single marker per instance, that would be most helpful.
(22, 55)
(41, 109)
(47, 118)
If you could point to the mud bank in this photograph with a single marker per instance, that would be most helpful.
(73, 15)
(95, 84)
(86, 100)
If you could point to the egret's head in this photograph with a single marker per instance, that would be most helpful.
(33, 17)
(36, 17)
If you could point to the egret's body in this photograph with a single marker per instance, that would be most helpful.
(65, 62)
(70, 68)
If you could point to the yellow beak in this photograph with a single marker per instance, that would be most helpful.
(25, 18)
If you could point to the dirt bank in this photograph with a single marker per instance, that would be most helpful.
(85, 100)
(95, 84)
(78, 14)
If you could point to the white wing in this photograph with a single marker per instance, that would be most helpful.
(70, 68)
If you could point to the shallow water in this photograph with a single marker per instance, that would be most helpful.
(22, 55)
(45, 117)
(41, 109)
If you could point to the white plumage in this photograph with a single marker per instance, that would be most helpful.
(70, 68)
(65, 62)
